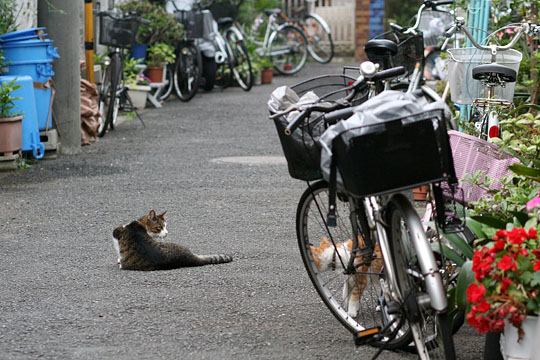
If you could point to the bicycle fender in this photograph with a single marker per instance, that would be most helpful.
(426, 259)
(321, 21)
(237, 32)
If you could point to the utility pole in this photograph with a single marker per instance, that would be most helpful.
(62, 18)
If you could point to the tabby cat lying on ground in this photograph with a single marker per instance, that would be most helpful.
(138, 250)
(327, 257)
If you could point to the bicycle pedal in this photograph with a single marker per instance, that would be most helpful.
(365, 336)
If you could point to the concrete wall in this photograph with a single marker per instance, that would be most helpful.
(26, 12)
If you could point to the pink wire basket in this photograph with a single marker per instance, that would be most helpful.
(472, 154)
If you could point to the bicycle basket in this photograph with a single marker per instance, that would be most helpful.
(471, 155)
(463, 88)
(394, 155)
(433, 24)
(301, 148)
(193, 22)
(117, 32)
(410, 51)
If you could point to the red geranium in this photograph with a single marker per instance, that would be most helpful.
(507, 279)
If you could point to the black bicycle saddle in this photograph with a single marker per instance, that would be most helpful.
(494, 73)
(225, 21)
(381, 47)
(269, 12)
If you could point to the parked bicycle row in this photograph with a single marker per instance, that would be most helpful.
(213, 50)
(362, 142)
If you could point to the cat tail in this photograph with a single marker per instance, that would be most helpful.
(214, 259)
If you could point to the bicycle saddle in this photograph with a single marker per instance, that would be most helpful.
(225, 21)
(269, 12)
(494, 73)
(381, 47)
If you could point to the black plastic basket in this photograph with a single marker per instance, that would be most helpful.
(410, 51)
(117, 32)
(394, 155)
(194, 23)
(301, 149)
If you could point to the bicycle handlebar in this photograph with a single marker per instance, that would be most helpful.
(459, 25)
(427, 4)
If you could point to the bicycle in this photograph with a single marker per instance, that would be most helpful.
(237, 63)
(318, 33)
(493, 70)
(188, 66)
(285, 43)
(117, 33)
(386, 314)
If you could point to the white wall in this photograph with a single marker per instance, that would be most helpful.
(26, 13)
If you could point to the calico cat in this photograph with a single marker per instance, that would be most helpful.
(326, 257)
(138, 248)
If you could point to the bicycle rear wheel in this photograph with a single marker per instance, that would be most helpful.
(320, 45)
(430, 330)
(352, 298)
(109, 101)
(187, 73)
(288, 49)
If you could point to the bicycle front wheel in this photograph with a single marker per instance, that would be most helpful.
(240, 62)
(169, 79)
(288, 49)
(187, 73)
(429, 329)
(353, 298)
(320, 45)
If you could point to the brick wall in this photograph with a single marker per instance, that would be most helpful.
(361, 27)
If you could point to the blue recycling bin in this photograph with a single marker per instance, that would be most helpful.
(25, 104)
(30, 52)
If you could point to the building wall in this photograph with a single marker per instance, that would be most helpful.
(361, 27)
(26, 12)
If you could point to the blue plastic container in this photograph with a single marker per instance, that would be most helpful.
(138, 51)
(28, 50)
(41, 37)
(43, 107)
(39, 70)
(26, 105)
(22, 33)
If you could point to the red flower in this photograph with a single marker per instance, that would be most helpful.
(536, 266)
(500, 234)
(536, 253)
(505, 283)
(475, 292)
(483, 307)
(507, 263)
(499, 245)
(517, 236)
(532, 233)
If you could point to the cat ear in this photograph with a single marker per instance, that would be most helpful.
(162, 215)
(152, 214)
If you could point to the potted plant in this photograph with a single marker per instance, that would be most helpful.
(159, 55)
(136, 82)
(267, 71)
(10, 123)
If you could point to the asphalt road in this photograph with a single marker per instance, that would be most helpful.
(63, 297)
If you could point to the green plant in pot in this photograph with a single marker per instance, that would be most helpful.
(10, 122)
(267, 72)
(136, 82)
(159, 55)
(7, 16)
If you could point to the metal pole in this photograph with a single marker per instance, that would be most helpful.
(62, 18)
(89, 39)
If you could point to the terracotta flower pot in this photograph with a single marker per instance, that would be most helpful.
(266, 76)
(155, 74)
(10, 134)
(420, 193)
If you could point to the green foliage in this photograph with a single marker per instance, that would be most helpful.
(7, 16)
(401, 12)
(160, 54)
(132, 70)
(250, 8)
(162, 26)
(7, 100)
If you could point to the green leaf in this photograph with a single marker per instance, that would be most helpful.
(449, 253)
(536, 279)
(490, 221)
(475, 227)
(464, 279)
(532, 222)
(461, 244)
(520, 169)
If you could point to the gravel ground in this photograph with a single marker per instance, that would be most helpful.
(63, 297)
